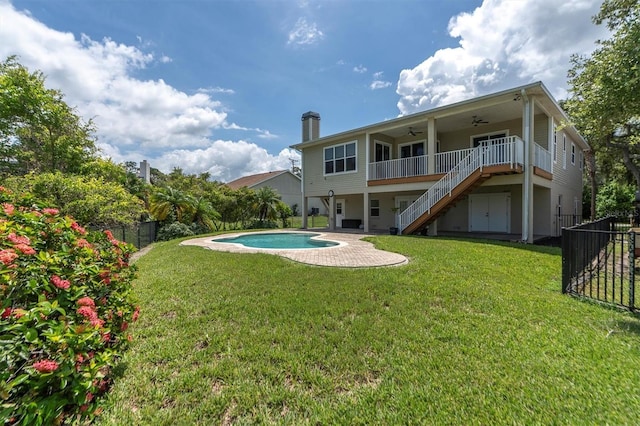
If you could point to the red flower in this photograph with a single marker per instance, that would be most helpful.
(97, 322)
(45, 366)
(86, 301)
(136, 314)
(124, 326)
(6, 313)
(15, 239)
(25, 249)
(7, 256)
(50, 211)
(79, 229)
(60, 283)
(87, 312)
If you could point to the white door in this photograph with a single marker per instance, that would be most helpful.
(339, 212)
(489, 212)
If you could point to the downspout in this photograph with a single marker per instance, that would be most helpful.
(365, 195)
(527, 176)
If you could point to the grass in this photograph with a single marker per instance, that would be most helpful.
(467, 333)
(312, 221)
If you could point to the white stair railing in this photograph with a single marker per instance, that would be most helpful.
(507, 150)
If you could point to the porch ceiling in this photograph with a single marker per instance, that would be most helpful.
(460, 120)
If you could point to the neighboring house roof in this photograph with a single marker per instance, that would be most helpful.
(253, 180)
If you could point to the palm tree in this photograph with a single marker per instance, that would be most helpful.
(266, 202)
(168, 201)
(203, 213)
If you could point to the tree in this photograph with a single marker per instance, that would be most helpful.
(169, 201)
(203, 214)
(266, 202)
(38, 131)
(605, 87)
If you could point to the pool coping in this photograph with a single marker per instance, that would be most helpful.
(352, 252)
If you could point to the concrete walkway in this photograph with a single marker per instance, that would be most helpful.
(351, 253)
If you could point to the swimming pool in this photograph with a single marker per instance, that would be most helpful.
(279, 240)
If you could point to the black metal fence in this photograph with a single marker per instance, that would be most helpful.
(598, 262)
(566, 221)
(140, 234)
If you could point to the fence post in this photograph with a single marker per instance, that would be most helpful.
(565, 261)
(632, 269)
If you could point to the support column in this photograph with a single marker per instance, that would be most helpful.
(528, 109)
(366, 211)
(432, 136)
(332, 213)
(305, 212)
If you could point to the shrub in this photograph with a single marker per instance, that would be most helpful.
(174, 230)
(262, 224)
(65, 306)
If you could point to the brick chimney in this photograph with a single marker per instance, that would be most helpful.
(310, 126)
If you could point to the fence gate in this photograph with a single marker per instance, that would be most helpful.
(600, 263)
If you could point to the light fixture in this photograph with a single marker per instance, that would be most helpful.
(331, 193)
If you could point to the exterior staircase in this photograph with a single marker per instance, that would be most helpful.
(484, 161)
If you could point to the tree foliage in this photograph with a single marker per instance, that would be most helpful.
(605, 88)
(91, 201)
(39, 132)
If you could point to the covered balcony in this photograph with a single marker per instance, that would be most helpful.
(417, 168)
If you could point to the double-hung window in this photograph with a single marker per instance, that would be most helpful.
(340, 158)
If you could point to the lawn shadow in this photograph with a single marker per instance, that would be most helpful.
(542, 248)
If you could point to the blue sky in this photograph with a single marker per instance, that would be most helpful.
(220, 85)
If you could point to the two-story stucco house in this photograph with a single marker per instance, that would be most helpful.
(503, 163)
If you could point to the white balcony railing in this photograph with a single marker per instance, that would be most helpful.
(400, 168)
(446, 161)
(542, 158)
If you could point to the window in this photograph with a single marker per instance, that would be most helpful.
(375, 208)
(484, 139)
(414, 149)
(383, 152)
(340, 158)
(555, 147)
(581, 160)
(573, 154)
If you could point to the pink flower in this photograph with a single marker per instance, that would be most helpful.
(86, 301)
(96, 322)
(79, 229)
(60, 283)
(25, 249)
(83, 243)
(19, 313)
(8, 208)
(7, 256)
(15, 239)
(50, 211)
(45, 366)
(136, 314)
(124, 326)
(87, 312)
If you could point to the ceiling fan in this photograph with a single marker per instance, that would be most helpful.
(413, 132)
(477, 120)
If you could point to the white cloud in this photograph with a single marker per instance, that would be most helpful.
(378, 82)
(136, 119)
(503, 43)
(226, 160)
(304, 33)
(360, 69)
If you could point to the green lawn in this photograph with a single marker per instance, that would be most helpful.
(466, 333)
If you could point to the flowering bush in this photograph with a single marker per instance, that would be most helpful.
(65, 306)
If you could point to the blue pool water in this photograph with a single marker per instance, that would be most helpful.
(280, 240)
